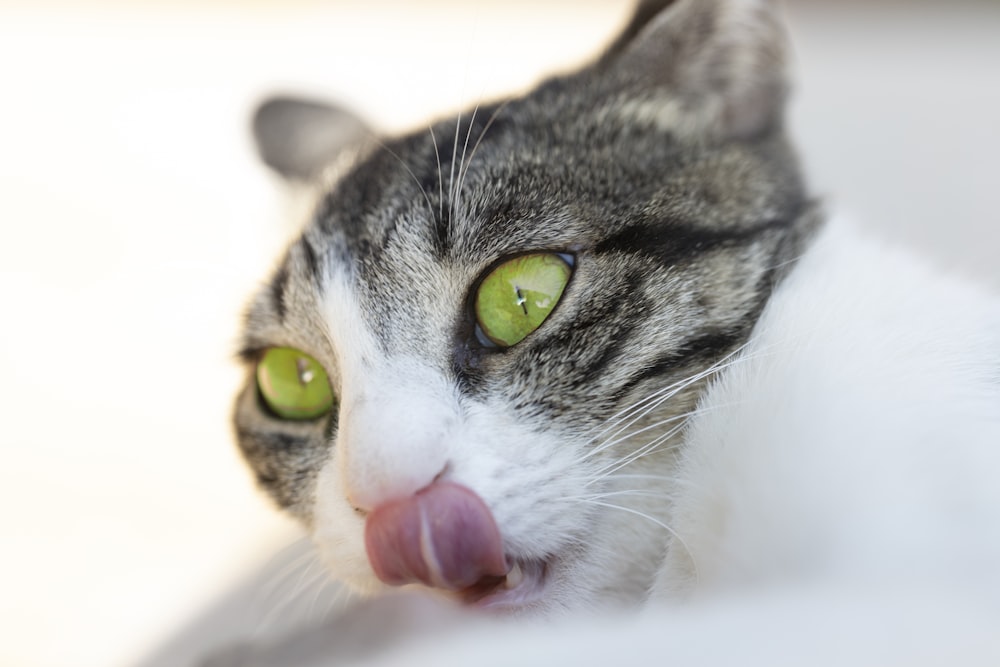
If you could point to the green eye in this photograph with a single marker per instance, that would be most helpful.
(293, 384)
(516, 297)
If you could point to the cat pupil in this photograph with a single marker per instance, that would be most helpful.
(521, 301)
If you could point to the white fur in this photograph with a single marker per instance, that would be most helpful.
(859, 435)
(814, 627)
(401, 425)
(839, 497)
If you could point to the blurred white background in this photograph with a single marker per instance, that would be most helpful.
(134, 221)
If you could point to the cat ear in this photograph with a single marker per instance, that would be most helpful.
(710, 67)
(298, 137)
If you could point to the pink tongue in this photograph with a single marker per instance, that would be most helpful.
(444, 536)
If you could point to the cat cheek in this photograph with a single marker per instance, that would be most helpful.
(338, 530)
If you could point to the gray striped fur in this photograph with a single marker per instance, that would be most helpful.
(662, 167)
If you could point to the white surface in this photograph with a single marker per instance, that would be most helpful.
(134, 222)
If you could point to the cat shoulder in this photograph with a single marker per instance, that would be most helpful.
(856, 434)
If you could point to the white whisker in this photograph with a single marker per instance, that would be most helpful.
(654, 520)
(437, 157)
(461, 162)
(319, 587)
(649, 493)
(651, 447)
(451, 176)
(307, 580)
(628, 436)
(640, 475)
(475, 147)
(296, 565)
(342, 597)
(661, 395)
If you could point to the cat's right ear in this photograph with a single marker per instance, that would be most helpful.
(298, 137)
(707, 68)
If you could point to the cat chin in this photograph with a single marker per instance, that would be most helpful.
(546, 586)
(525, 590)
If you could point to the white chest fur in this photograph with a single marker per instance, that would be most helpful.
(858, 435)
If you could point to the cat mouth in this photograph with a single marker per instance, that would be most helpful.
(523, 585)
(445, 538)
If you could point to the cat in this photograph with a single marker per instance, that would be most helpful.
(596, 349)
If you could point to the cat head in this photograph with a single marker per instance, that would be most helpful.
(472, 369)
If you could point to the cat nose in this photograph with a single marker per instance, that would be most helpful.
(392, 448)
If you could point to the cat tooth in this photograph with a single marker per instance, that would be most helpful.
(514, 577)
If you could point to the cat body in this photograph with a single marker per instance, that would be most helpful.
(724, 398)
(855, 436)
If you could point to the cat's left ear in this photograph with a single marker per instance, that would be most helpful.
(712, 68)
(298, 137)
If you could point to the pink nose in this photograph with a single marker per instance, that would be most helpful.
(443, 536)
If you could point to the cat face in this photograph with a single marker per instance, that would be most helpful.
(472, 369)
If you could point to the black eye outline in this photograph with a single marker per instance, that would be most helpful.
(479, 337)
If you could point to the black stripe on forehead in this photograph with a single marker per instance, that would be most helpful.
(351, 209)
(360, 215)
(279, 283)
(423, 178)
(439, 161)
(674, 242)
(314, 269)
(441, 228)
